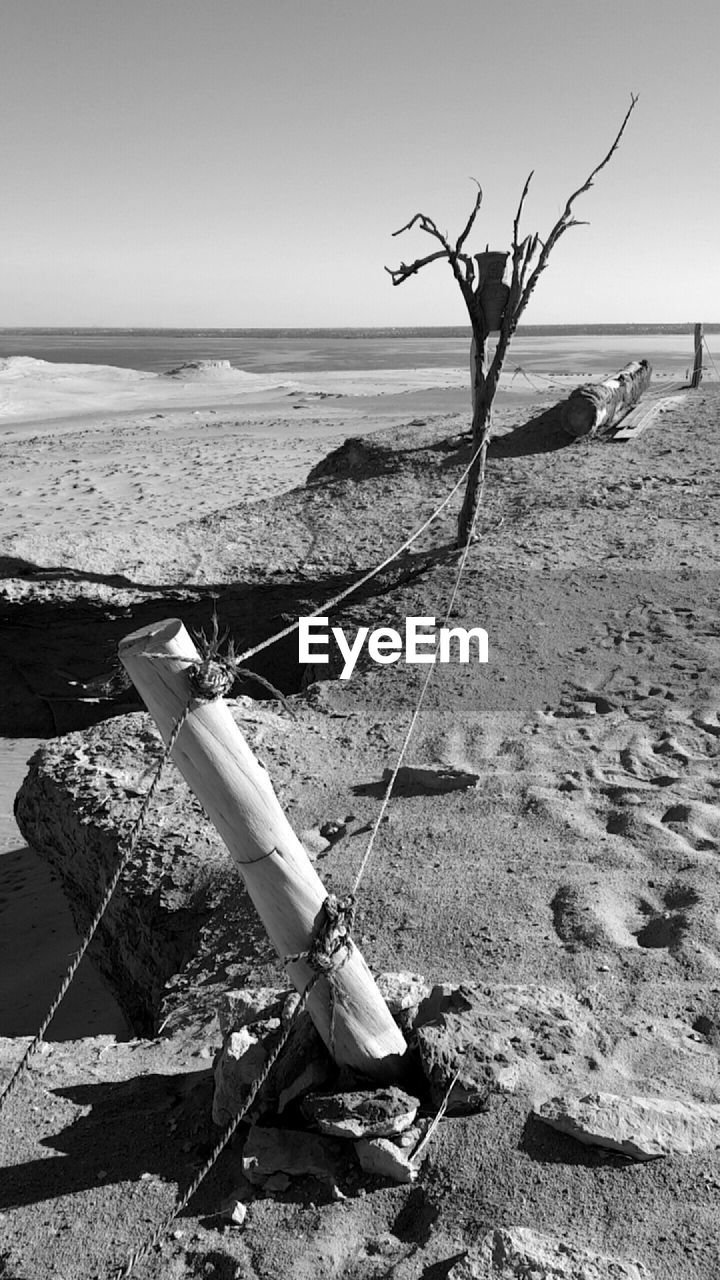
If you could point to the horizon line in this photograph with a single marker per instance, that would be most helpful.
(676, 326)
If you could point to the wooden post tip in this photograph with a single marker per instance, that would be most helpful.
(166, 629)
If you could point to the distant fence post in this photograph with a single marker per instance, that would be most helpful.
(697, 372)
(237, 795)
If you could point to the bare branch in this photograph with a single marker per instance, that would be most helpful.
(458, 261)
(589, 181)
(426, 224)
(531, 245)
(469, 225)
(566, 220)
(405, 270)
(518, 215)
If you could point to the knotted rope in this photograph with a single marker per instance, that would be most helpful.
(331, 947)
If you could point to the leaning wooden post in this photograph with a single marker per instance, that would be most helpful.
(697, 372)
(237, 795)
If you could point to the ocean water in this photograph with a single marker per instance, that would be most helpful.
(287, 352)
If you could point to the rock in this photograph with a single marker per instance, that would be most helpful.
(518, 1253)
(642, 1128)
(415, 781)
(256, 1018)
(277, 1182)
(402, 993)
(502, 1038)
(244, 1006)
(312, 1076)
(409, 1138)
(333, 830)
(292, 1152)
(240, 1062)
(375, 1113)
(237, 1213)
(314, 841)
(384, 1159)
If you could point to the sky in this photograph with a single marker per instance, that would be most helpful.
(243, 163)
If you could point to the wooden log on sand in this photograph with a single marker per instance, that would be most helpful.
(601, 404)
(237, 795)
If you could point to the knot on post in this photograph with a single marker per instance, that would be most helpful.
(332, 936)
(211, 678)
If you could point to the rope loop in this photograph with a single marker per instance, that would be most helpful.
(210, 679)
(332, 944)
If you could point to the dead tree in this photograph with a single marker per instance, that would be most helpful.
(529, 259)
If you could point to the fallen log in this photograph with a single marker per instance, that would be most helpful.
(602, 404)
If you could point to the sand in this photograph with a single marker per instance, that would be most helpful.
(102, 448)
(586, 861)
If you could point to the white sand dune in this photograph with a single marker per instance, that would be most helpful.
(33, 391)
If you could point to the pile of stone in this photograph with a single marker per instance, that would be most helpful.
(466, 1041)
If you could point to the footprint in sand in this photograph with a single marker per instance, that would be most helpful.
(602, 916)
(697, 822)
(707, 718)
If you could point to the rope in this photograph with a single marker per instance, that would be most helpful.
(355, 586)
(549, 378)
(331, 947)
(482, 451)
(123, 861)
(182, 1202)
(717, 374)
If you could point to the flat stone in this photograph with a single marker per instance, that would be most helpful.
(502, 1038)
(289, 1151)
(372, 1113)
(385, 1159)
(642, 1128)
(521, 1254)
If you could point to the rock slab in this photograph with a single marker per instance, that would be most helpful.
(503, 1038)
(382, 1158)
(642, 1128)
(367, 1113)
(268, 1152)
(521, 1254)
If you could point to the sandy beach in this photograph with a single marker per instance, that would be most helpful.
(584, 862)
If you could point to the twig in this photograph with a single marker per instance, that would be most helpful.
(438, 1117)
